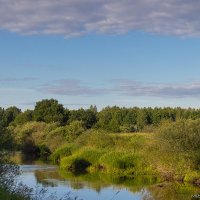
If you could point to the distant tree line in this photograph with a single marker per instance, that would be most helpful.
(113, 119)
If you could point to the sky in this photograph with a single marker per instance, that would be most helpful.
(97, 52)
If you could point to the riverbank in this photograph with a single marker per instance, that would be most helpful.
(170, 151)
(130, 155)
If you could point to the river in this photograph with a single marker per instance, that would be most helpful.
(100, 186)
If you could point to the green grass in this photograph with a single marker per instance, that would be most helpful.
(61, 152)
(118, 162)
(81, 159)
(162, 153)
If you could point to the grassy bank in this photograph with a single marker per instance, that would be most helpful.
(171, 153)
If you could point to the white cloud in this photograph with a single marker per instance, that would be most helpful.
(71, 87)
(123, 87)
(78, 17)
(132, 88)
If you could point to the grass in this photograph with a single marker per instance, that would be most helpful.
(61, 152)
(81, 159)
(108, 153)
(119, 162)
(131, 154)
(171, 152)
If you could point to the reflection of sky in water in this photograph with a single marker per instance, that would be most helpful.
(84, 192)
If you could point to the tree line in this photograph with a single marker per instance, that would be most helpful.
(114, 119)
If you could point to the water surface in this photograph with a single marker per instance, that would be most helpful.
(101, 187)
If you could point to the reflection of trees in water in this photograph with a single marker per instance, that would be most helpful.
(98, 181)
(21, 158)
(77, 185)
(172, 191)
(44, 177)
(146, 186)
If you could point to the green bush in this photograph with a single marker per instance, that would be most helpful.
(44, 151)
(83, 157)
(64, 151)
(114, 161)
(180, 141)
(183, 135)
(74, 129)
(96, 139)
(91, 155)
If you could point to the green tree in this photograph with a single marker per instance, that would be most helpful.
(49, 110)
(24, 117)
(9, 115)
(88, 116)
(143, 119)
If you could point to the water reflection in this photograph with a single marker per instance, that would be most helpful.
(103, 187)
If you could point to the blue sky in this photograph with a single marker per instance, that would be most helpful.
(98, 53)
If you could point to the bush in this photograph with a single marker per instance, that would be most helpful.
(183, 135)
(114, 161)
(28, 147)
(44, 151)
(84, 158)
(91, 155)
(56, 138)
(181, 141)
(74, 129)
(96, 139)
(64, 151)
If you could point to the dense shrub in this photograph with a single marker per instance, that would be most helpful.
(43, 151)
(114, 161)
(182, 135)
(84, 157)
(182, 139)
(96, 139)
(64, 151)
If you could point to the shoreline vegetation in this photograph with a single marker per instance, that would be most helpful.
(126, 142)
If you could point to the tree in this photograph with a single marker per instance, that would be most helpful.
(143, 119)
(88, 116)
(9, 115)
(24, 117)
(49, 110)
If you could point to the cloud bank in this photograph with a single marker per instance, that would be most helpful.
(123, 88)
(132, 88)
(71, 87)
(79, 17)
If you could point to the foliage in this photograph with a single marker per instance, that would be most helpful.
(74, 129)
(8, 115)
(24, 117)
(81, 159)
(95, 139)
(184, 137)
(112, 119)
(61, 152)
(88, 116)
(49, 111)
(43, 151)
(114, 161)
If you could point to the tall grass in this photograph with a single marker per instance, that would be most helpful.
(81, 159)
(118, 162)
(61, 152)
